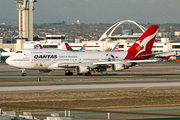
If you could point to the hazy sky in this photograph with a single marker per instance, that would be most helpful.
(105, 11)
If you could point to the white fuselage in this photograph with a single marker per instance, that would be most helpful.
(44, 59)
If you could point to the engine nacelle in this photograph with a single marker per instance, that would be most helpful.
(133, 64)
(118, 67)
(82, 69)
(45, 71)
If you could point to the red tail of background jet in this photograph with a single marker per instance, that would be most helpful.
(167, 58)
(68, 47)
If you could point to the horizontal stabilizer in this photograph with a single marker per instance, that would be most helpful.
(150, 55)
(129, 61)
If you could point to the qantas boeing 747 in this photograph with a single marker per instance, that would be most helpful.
(46, 60)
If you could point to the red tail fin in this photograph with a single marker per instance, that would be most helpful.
(167, 58)
(146, 40)
(68, 47)
(144, 44)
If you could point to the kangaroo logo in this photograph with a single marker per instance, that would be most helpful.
(139, 47)
(143, 43)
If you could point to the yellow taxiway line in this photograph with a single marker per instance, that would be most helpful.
(50, 90)
(146, 87)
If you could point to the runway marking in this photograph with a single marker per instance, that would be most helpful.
(51, 90)
(146, 87)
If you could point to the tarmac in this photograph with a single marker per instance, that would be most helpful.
(161, 75)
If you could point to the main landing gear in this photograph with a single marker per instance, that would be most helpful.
(68, 73)
(86, 74)
(23, 72)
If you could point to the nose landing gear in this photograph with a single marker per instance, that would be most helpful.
(23, 72)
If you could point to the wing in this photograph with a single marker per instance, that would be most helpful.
(95, 64)
(124, 61)
(69, 65)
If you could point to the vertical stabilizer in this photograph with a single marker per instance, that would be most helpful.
(116, 47)
(83, 48)
(68, 47)
(38, 46)
(144, 44)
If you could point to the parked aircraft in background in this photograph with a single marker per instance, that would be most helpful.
(83, 48)
(38, 46)
(116, 47)
(46, 60)
(167, 58)
(68, 47)
(163, 58)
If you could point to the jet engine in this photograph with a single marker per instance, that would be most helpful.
(82, 69)
(45, 71)
(118, 67)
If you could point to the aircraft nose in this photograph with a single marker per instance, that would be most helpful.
(8, 60)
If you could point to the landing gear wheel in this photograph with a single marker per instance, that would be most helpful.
(71, 73)
(88, 74)
(23, 74)
(68, 73)
(79, 74)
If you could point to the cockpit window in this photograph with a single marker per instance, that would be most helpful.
(19, 52)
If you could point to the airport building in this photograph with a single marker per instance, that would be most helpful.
(106, 42)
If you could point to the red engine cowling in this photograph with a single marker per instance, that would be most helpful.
(82, 69)
(118, 67)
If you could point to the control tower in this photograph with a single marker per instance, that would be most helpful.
(26, 8)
